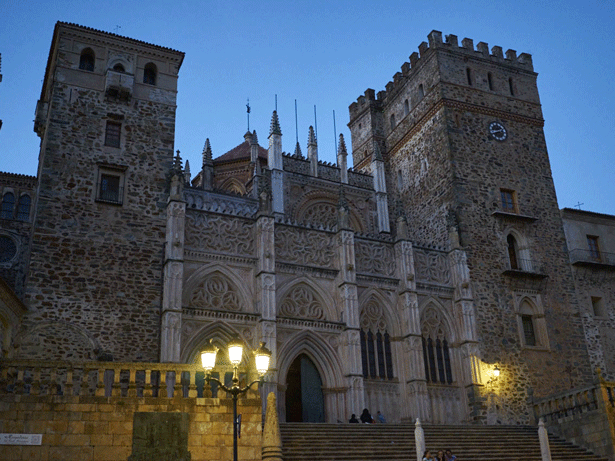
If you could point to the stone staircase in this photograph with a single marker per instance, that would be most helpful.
(395, 442)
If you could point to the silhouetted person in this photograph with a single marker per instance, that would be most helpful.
(353, 419)
(366, 417)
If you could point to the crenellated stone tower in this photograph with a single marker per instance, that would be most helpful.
(106, 119)
(460, 130)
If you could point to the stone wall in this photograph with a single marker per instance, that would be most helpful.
(125, 424)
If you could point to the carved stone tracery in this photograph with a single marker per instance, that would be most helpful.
(310, 248)
(216, 292)
(432, 266)
(219, 234)
(375, 258)
(301, 303)
(372, 317)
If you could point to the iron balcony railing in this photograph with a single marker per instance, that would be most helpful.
(580, 255)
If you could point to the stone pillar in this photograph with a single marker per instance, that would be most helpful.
(543, 437)
(313, 152)
(265, 294)
(350, 342)
(419, 439)
(463, 302)
(412, 369)
(382, 206)
(272, 441)
(173, 273)
(276, 165)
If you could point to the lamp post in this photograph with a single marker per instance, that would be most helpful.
(235, 354)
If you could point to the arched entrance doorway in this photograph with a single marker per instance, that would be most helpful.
(304, 398)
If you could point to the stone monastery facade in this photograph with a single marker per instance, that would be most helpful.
(397, 279)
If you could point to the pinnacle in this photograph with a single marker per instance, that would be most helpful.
(207, 151)
(341, 149)
(275, 124)
(312, 136)
(177, 163)
(254, 138)
(298, 150)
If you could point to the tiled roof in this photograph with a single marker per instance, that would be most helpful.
(242, 151)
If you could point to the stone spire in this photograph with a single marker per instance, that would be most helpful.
(275, 124)
(254, 147)
(177, 164)
(313, 152)
(342, 162)
(207, 174)
(298, 153)
(187, 173)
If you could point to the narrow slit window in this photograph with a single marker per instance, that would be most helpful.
(528, 330)
(23, 209)
(490, 80)
(86, 60)
(594, 249)
(510, 86)
(469, 75)
(150, 74)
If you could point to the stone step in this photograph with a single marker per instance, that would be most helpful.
(392, 442)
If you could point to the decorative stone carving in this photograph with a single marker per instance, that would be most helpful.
(322, 214)
(433, 325)
(216, 293)
(301, 303)
(375, 258)
(304, 247)
(432, 266)
(220, 203)
(220, 234)
(372, 317)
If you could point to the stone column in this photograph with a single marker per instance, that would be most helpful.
(350, 346)
(265, 294)
(276, 165)
(173, 273)
(312, 150)
(464, 308)
(272, 441)
(380, 187)
(412, 368)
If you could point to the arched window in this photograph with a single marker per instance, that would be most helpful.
(436, 353)
(406, 107)
(392, 122)
(510, 86)
(376, 356)
(150, 74)
(532, 325)
(8, 206)
(513, 252)
(86, 61)
(23, 209)
(490, 80)
(119, 68)
(469, 75)
(421, 92)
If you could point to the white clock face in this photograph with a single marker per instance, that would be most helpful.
(498, 131)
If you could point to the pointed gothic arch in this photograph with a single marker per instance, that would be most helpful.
(438, 338)
(218, 287)
(234, 186)
(320, 208)
(303, 298)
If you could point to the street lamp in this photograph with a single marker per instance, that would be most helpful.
(235, 354)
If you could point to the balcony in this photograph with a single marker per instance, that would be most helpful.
(119, 85)
(527, 268)
(601, 260)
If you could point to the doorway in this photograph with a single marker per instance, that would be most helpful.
(304, 397)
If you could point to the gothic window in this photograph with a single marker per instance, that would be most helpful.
(86, 61)
(594, 249)
(513, 252)
(406, 107)
(490, 80)
(23, 209)
(8, 249)
(528, 330)
(469, 75)
(392, 122)
(150, 74)
(436, 353)
(376, 356)
(119, 68)
(510, 86)
(8, 205)
(113, 134)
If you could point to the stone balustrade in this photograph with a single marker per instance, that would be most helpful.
(103, 379)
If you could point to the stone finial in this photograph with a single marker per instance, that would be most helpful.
(177, 163)
(298, 151)
(253, 147)
(272, 441)
(187, 172)
(207, 156)
(341, 147)
(254, 138)
(342, 160)
(312, 136)
(275, 124)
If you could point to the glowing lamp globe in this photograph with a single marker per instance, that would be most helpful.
(262, 355)
(235, 351)
(208, 356)
(496, 371)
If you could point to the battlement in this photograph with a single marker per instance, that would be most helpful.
(451, 43)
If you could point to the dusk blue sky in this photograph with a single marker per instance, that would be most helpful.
(327, 53)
